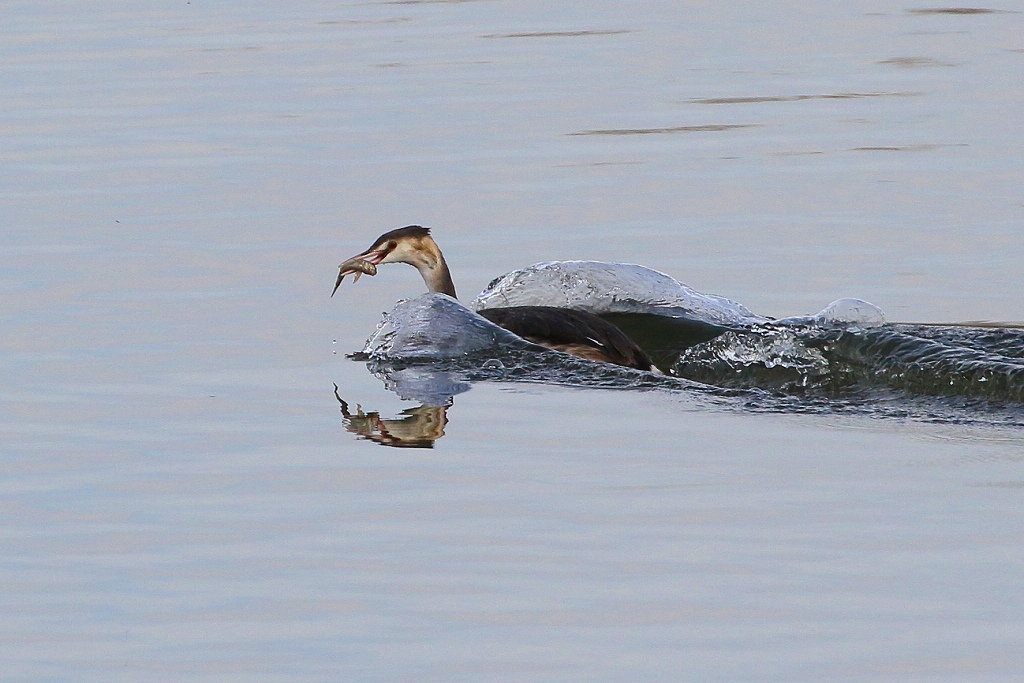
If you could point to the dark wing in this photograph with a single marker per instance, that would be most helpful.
(582, 334)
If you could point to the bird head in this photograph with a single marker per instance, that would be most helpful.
(411, 244)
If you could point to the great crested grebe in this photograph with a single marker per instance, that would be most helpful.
(576, 332)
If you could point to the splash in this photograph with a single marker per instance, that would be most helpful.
(762, 357)
(609, 288)
(599, 287)
(840, 314)
(434, 326)
(845, 350)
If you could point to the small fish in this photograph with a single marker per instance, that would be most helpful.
(358, 266)
(354, 266)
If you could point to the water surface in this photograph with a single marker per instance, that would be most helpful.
(182, 497)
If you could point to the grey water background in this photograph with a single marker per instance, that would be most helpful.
(180, 498)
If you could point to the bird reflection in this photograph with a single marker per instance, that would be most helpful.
(419, 428)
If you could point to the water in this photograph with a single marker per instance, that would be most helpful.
(183, 498)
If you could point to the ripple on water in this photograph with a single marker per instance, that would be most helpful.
(708, 128)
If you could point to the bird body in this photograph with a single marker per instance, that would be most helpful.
(579, 333)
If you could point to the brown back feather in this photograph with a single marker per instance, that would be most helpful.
(568, 330)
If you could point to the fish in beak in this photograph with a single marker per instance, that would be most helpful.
(357, 265)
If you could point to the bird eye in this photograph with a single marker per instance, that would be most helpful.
(390, 246)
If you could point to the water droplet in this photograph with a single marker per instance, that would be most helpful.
(493, 364)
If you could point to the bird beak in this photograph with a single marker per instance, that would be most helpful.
(359, 264)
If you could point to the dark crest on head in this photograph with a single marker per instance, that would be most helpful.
(417, 231)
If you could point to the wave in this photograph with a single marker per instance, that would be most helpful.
(939, 360)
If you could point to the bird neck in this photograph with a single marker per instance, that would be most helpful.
(436, 274)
